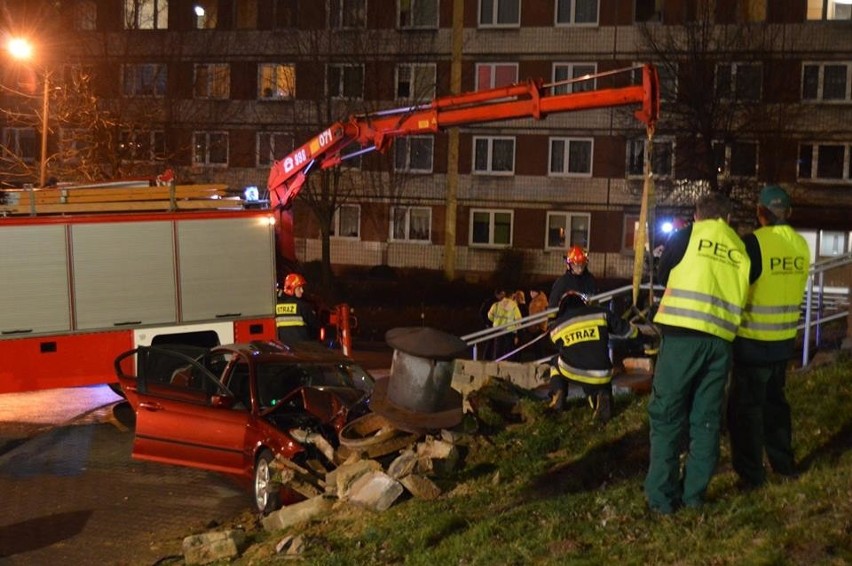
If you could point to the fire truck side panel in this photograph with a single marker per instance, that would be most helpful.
(124, 274)
(260, 329)
(227, 268)
(77, 291)
(66, 360)
(34, 291)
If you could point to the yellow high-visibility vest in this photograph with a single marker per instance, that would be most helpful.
(707, 290)
(775, 299)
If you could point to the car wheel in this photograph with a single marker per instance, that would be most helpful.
(266, 497)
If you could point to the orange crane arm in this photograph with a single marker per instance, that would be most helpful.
(376, 131)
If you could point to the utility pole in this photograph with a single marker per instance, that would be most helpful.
(453, 146)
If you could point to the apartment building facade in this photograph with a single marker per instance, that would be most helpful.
(220, 89)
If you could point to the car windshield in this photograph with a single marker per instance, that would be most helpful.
(276, 380)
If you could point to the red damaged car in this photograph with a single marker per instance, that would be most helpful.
(233, 408)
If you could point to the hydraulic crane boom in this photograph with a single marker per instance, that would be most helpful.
(376, 131)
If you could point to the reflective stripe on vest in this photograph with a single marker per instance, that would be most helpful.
(707, 290)
(772, 311)
(287, 314)
(579, 329)
(590, 376)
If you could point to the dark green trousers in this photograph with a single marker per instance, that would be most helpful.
(685, 412)
(759, 419)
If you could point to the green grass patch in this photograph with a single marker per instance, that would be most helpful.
(559, 489)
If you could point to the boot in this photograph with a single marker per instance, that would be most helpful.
(602, 403)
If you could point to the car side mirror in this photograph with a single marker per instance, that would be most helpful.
(222, 401)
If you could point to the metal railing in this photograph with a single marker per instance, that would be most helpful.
(820, 305)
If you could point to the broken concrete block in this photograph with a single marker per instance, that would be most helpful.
(436, 457)
(300, 512)
(403, 464)
(346, 475)
(291, 545)
(420, 487)
(210, 547)
(376, 491)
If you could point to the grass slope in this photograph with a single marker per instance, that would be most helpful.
(561, 490)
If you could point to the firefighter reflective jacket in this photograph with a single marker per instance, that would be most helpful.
(774, 300)
(582, 336)
(707, 290)
(295, 320)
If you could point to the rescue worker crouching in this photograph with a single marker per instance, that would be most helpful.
(581, 333)
(295, 318)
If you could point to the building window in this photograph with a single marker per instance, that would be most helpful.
(566, 229)
(648, 11)
(142, 145)
(415, 81)
(212, 80)
(21, 142)
(667, 75)
(206, 13)
(499, 13)
(825, 162)
(571, 157)
(832, 243)
(494, 155)
(413, 154)
(285, 14)
(491, 227)
(210, 148)
(273, 146)
(629, 230)
(662, 160)
(347, 14)
(411, 224)
(347, 221)
(567, 73)
(85, 15)
(244, 15)
(346, 81)
(147, 79)
(738, 159)
(493, 75)
(827, 82)
(75, 144)
(418, 14)
(570, 12)
(739, 81)
(829, 10)
(146, 14)
(276, 81)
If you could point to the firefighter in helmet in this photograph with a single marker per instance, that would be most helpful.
(295, 318)
(581, 333)
(577, 277)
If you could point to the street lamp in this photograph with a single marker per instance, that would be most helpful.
(22, 49)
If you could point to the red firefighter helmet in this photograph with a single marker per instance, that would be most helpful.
(576, 256)
(291, 282)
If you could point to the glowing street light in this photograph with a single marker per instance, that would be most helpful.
(22, 50)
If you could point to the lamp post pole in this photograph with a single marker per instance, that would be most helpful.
(22, 50)
(45, 108)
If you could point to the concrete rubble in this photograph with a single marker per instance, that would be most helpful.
(366, 482)
(210, 547)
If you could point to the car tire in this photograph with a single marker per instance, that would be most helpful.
(266, 495)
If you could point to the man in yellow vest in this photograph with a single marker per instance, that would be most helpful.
(706, 272)
(758, 412)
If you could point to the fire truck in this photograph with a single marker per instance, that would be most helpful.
(77, 290)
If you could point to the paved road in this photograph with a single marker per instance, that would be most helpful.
(72, 495)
